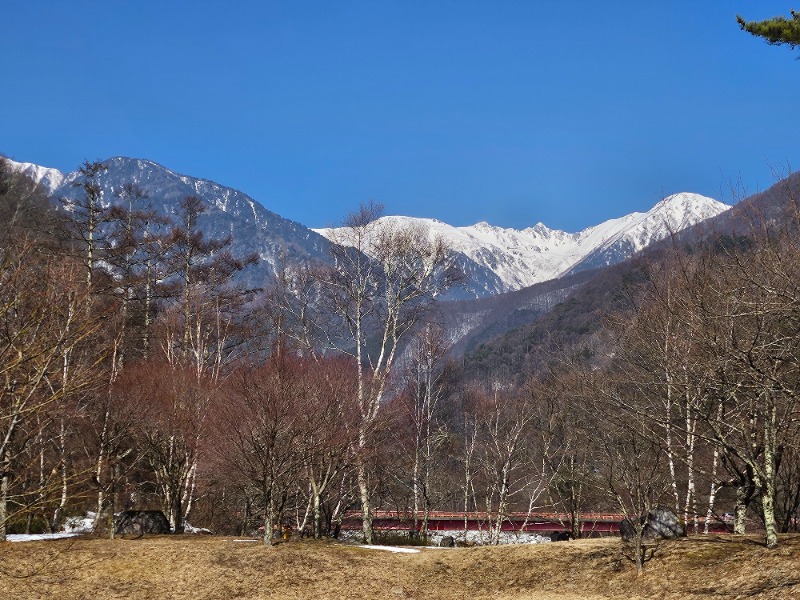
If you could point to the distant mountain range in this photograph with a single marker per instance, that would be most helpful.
(495, 260)
(499, 260)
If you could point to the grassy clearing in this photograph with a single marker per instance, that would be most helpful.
(211, 567)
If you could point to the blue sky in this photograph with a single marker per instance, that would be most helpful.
(568, 113)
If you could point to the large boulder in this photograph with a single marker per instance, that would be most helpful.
(560, 536)
(139, 522)
(659, 524)
(447, 542)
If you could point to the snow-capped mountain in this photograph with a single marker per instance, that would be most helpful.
(494, 259)
(49, 179)
(498, 259)
(252, 227)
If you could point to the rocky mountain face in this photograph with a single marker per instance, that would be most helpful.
(252, 227)
(498, 260)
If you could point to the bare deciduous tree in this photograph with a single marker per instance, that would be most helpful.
(383, 280)
(43, 329)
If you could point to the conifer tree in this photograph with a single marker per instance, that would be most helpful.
(777, 31)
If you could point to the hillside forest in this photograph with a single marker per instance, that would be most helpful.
(135, 373)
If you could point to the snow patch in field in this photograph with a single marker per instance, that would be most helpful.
(187, 528)
(482, 538)
(83, 524)
(391, 549)
(37, 537)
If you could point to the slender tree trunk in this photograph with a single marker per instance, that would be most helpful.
(112, 500)
(317, 516)
(768, 483)
(639, 551)
(148, 302)
(691, 501)
(740, 510)
(269, 522)
(62, 466)
(5, 478)
(177, 511)
(188, 495)
(712, 494)
(469, 448)
(366, 508)
(415, 490)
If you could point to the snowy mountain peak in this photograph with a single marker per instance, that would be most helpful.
(494, 259)
(46, 177)
(683, 203)
(499, 259)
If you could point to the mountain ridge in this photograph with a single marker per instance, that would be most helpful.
(494, 259)
(252, 227)
(519, 258)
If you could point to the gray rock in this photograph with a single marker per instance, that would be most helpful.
(139, 522)
(660, 524)
(447, 542)
(663, 524)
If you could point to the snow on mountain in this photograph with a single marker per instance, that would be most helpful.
(504, 259)
(493, 259)
(252, 227)
(618, 239)
(48, 178)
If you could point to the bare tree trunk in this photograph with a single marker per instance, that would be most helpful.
(188, 495)
(317, 515)
(5, 478)
(177, 511)
(62, 466)
(712, 494)
(768, 485)
(469, 449)
(366, 508)
(269, 523)
(740, 510)
(112, 500)
(415, 489)
(691, 500)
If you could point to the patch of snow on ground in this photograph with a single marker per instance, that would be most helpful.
(480, 538)
(37, 537)
(391, 549)
(191, 529)
(80, 524)
(473, 538)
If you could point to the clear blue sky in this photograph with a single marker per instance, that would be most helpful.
(512, 112)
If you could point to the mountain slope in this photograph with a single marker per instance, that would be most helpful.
(576, 322)
(633, 233)
(49, 179)
(252, 227)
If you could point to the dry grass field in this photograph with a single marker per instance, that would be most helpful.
(215, 567)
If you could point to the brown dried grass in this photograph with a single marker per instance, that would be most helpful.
(212, 567)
